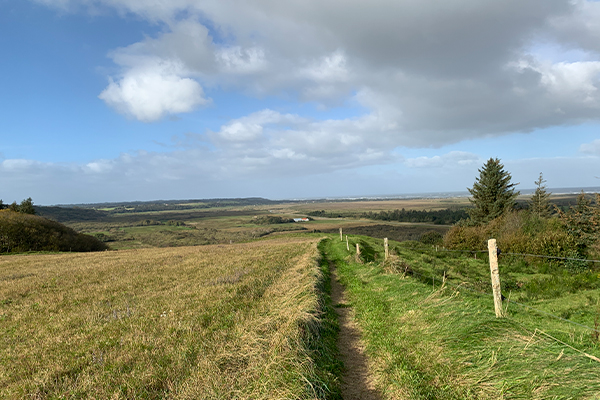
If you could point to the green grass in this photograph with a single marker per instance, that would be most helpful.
(426, 341)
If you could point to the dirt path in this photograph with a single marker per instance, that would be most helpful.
(356, 382)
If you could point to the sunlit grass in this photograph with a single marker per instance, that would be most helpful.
(231, 321)
(428, 341)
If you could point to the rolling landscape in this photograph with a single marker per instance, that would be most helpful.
(229, 299)
(300, 199)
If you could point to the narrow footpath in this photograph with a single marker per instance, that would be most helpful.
(356, 381)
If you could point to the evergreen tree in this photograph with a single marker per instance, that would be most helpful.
(2, 205)
(582, 222)
(539, 205)
(493, 193)
(26, 207)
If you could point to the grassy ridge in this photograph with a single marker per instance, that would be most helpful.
(21, 232)
(207, 322)
(428, 341)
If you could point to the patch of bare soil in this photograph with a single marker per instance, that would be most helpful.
(357, 384)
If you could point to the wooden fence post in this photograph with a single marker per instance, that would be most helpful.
(347, 244)
(493, 252)
(341, 237)
(385, 245)
(357, 249)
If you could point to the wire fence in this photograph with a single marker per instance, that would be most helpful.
(462, 286)
(553, 257)
(522, 254)
(537, 310)
(595, 332)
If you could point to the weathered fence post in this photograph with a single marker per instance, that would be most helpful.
(385, 245)
(341, 237)
(347, 244)
(493, 252)
(357, 249)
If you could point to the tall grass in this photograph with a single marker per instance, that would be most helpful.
(428, 340)
(206, 322)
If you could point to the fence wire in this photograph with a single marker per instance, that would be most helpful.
(553, 257)
(521, 254)
(508, 300)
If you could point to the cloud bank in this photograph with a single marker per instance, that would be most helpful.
(436, 73)
(426, 74)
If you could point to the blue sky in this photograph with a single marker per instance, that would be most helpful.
(118, 100)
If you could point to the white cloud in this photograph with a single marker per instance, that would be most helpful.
(237, 60)
(16, 165)
(591, 148)
(452, 159)
(99, 166)
(577, 81)
(330, 68)
(579, 28)
(152, 90)
(434, 74)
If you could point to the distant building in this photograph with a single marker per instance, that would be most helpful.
(301, 220)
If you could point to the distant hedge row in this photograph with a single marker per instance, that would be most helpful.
(24, 232)
(271, 220)
(438, 217)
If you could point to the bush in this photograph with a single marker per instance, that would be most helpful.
(432, 237)
(175, 223)
(466, 238)
(524, 233)
(553, 242)
(271, 220)
(24, 232)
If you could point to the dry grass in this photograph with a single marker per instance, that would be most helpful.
(181, 323)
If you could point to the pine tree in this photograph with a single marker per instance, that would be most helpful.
(582, 222)
(539, 205)
(493, 193)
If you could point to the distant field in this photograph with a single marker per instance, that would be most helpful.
(232, 221)
(131, 230)
(204, 322)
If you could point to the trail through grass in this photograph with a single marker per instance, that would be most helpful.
(428, 341)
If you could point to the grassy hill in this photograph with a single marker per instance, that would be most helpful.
(24, 232)
(242, 321)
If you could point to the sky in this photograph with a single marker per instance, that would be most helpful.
(124, 100)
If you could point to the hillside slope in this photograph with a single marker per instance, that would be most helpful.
(24, 232)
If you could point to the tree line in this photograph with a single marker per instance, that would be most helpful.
(438, 217)
(541, 229)
(26, 206)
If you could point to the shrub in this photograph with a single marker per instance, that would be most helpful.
(432, 237)
(271, 219)
(24, 232)
(553, 242)
(466, 238)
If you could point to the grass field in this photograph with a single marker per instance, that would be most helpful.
(426, 340)
(211, 322)
(247, 315)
